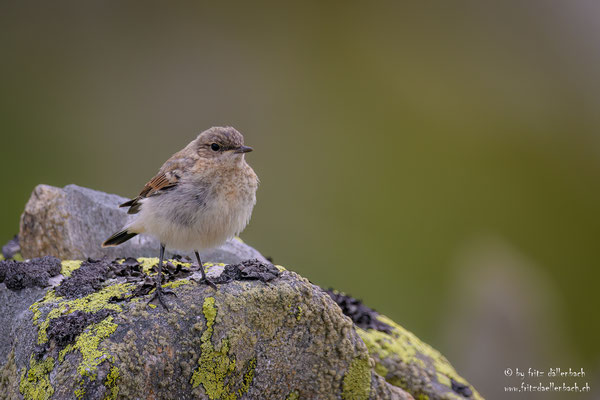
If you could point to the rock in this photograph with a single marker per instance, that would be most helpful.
(265, 334)
(401, 358)
(83, 329)
(10, 249)
(405, 361)
(71, 224)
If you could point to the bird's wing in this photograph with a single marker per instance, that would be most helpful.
(166, 179)
(161, 182)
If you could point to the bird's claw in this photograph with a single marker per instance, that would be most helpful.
(206, 281)
(159, 293)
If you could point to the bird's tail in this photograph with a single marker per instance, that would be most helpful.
(118, 238)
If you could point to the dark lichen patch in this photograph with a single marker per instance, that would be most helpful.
(133, 269)
(144, 287)
(91, 275)
(138, 272)
(130, 262)
(130, 268)
(65, 329)
(248, 270)
(36, 272)
(85, 280)
(363, 316)
(176, 271)
(461, 388)
(51, 306)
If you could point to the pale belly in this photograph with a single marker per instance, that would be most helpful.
(183, 223)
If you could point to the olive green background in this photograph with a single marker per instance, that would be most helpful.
(439, 160)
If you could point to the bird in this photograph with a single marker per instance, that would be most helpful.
(202, 196)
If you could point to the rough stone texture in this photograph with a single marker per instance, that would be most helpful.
(71, 224)
(264, 334)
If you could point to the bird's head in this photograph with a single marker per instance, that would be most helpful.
(222, 145)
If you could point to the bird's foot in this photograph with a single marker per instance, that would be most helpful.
(159, 294)
(205, 280)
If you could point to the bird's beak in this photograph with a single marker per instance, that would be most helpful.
(243, 149)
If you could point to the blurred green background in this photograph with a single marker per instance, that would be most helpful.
(439, 160)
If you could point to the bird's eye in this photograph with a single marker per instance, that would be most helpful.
(215, 147)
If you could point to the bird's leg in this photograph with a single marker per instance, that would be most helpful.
(204, 278)
(159, 292)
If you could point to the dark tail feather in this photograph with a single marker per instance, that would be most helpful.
(118, 238)
(128, 203)
(133, 204)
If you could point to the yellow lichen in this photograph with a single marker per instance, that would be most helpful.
(293, 396)
(214, 362)
(381, 370)
(111, 383)
(79, 393)
(68, 266)
(207, 265)
(176, 284)
(147, 264)
(35, 382)
(91, 303)
(88, 345)
(61, 354)
(248, 377)
(357, 380)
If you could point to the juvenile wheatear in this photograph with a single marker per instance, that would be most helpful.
(201, 196)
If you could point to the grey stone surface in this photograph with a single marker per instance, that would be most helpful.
(281, 339)
(72, 223)
(11, 248)
(15, 319)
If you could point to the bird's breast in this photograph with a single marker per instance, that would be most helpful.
(202, 214)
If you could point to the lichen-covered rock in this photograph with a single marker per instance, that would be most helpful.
(405, 361)
(401, 358)
(266, 333)
(71, 223)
